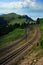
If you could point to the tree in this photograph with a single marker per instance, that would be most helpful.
(16, 25)
(38, 21)
(23, 25)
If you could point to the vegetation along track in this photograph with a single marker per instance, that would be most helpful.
(7, 49)
(13, 55)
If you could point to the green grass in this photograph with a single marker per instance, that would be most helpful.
(41, 31)
(13, 18)
(41, 38)
(12, 36)
(17, 21)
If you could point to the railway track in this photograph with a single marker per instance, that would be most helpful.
(13, 55)
(7, 49)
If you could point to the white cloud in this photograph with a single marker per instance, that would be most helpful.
(33, 4)
(19, 4)
(10, 5)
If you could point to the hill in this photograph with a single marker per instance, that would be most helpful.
(12, 18)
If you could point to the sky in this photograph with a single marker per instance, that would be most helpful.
(32, 8)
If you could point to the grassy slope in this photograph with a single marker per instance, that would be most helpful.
(12, 36)
(41, 38)
(17, 21)
(41, 30)
(17, 33)
(40, 47)
(13, 18)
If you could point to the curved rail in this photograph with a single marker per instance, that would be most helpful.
(17, 52)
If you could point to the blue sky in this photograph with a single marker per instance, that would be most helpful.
(32, 8)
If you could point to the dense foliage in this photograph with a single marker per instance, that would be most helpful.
(5, 27)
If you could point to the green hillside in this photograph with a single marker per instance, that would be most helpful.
(13, 18)
(12, 27)
(17, 21)
(12, 36)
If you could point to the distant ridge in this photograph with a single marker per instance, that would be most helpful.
(12, 16)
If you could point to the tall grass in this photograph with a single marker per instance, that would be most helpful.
(12, 36)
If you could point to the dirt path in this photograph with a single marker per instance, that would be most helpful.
(19, 51)
(13, 47)
(40, 61)
(13, 43)
(19, 45)
(30, 58)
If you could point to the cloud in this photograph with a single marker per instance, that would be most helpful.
(11, 6)
(33, 4)
(20, 4)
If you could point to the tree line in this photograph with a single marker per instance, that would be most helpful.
(5, 28)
